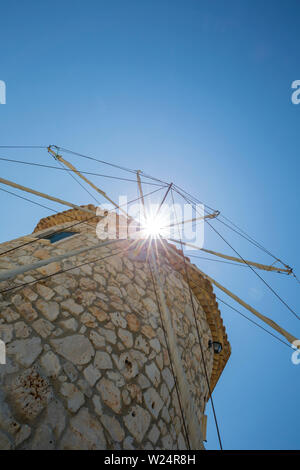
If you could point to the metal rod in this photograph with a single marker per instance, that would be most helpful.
(141, 191)
(39, 264)
(164, 198)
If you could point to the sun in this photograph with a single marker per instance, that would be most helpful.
(153, 226)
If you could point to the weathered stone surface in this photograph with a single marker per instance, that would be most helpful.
(153, 401)
(87, 283)
(25, 350)
(9, 314)
(102, 318)
(133, 322)
(153, 373)
(167, 442)
(72, 306)
(154, 434)
(142, 344)
(102, 360)
(127, 365)
(71, 371)
(29, 294)
(5, 443)
(30, 393)
(110, 394)
(27, 311)
(97, 405)
(85, 388)
(89, 320)
(41, 254)
(84, 433)
(91, 374)
(150, 305)
(118, 320)
(97, 340)
(43, 439)
(116, 377)
(109, 335)
(168, 377)
(22, 330)
(49, 269)
(99, 314)
(143, 381)
(148, 331)
(70, 324)
(155, 344)
(23, 433)
(114, 428)
(44, 291)
(126, 337)
(76, 348)
(56, 417)
(50, 310)
(50, 364)
(135, 392)
(137, 422)
(43, 327)
(74, 396)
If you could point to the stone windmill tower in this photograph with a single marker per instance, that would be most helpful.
(102, 347)
(114, 344)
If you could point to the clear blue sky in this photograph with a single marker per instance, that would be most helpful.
(195, 92)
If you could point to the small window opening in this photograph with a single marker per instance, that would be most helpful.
(55, 237)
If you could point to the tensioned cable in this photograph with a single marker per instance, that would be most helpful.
(240, 232)
(217, 261)
(252, 321)
(170, 357)
(80, 184)
(80, 155)
(198, 334)
(255, 272)
(245, 316)
(72, 171)
(242, 314)
(66, 150)
(111, 164)
(247, 237)
(67, 215)
(23, 146)
(95, 159)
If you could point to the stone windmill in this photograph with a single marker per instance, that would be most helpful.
(109, 344)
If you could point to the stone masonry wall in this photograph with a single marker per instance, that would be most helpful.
(87, 365)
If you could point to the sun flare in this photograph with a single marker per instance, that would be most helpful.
(153, 226)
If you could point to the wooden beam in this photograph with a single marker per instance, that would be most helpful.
(71, 167)
(262, 317)
(238, 260)
(45, 196)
